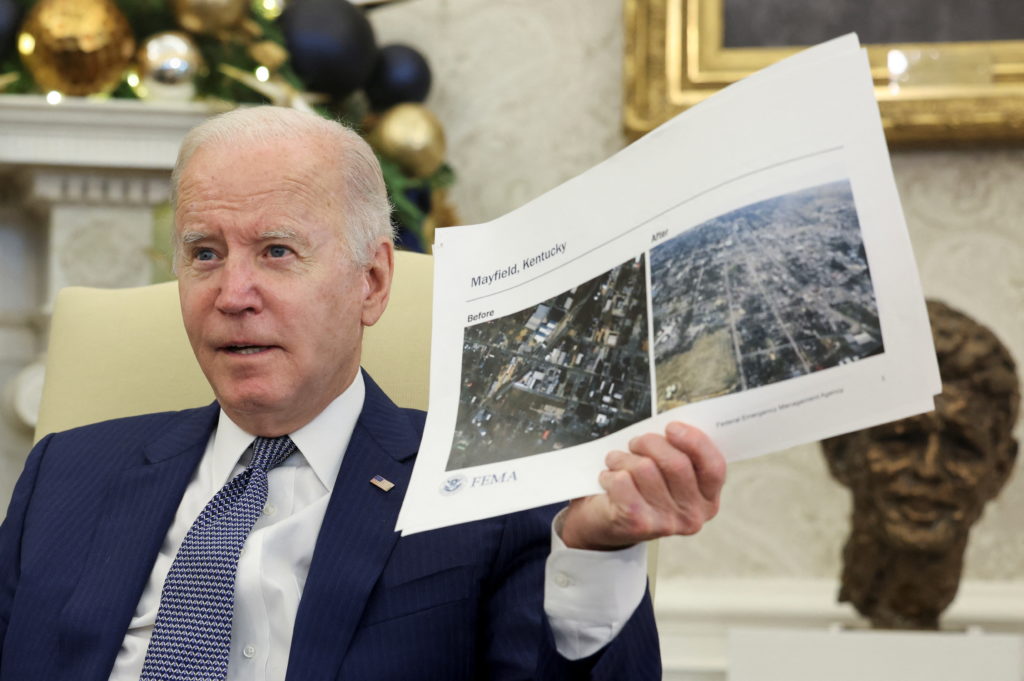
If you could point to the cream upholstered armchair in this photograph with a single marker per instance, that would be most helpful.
(120, 352)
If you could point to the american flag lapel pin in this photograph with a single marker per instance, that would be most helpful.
(382, 482)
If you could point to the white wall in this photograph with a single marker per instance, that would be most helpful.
(529, 91)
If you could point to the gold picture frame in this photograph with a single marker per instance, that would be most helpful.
(675, 57)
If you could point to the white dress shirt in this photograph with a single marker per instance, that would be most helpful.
(589, 595)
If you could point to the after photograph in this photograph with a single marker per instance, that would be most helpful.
(770, 291)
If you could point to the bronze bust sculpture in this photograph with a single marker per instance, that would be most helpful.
(920, 483)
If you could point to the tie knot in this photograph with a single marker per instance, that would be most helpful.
(268, 452)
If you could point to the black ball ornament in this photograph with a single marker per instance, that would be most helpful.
(331, 44)
(9, 20)
(400, 74)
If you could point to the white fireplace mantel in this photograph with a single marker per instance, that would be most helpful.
(79, 132)
(88, 172)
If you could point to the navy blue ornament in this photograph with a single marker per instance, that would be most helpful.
(400, 74)
(419, 196)
(9, 20)
(331, 44)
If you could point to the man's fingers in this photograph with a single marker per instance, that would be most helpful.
(705, 458)
(647, 476)
(661, 498)
(674, 466)
(692, 467)
(665, 484)
(632, 517)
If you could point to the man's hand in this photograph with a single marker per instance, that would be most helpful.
(666, 484)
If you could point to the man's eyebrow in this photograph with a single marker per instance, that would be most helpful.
(192, 237)
(285, 235)
(279, 234)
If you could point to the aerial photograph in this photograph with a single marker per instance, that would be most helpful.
(565, 371)
(770, 291)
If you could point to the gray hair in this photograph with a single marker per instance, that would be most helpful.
(367, 209)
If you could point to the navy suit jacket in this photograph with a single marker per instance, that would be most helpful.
(94, 504)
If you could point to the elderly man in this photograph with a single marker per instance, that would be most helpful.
(243, 541)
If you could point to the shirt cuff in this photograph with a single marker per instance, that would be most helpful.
(590, 595)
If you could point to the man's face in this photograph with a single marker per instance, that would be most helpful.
(272, 303)
(929, 477)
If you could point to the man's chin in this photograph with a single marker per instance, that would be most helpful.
(939, 537)
(249, 402)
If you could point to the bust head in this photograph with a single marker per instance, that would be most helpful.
(919, 484)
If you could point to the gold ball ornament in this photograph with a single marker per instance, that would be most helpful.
(167, 64)
(411, 136)
(268, 53)
(208, 17)
(77, 47)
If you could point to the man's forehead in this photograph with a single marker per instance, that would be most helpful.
(261, 175)
(908, 426)
(278, 156)
(260, 188)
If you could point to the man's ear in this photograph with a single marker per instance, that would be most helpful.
(377, 282)
(1005, 457)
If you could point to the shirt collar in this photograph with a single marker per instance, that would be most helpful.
(322, 441)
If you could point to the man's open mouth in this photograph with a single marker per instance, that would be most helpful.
(246, 349)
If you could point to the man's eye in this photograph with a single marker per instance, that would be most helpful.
(204, 254)
(963, 448)
(278, 251)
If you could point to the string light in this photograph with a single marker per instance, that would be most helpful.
(26, 44)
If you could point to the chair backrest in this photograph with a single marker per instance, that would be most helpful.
(120, 352)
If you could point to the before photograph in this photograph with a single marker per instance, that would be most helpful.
(565, 371)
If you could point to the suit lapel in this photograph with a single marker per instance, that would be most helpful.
(140, 504)
(356, 538)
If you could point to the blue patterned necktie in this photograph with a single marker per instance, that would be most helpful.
(192, 634)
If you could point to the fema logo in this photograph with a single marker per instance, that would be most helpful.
(452, 484)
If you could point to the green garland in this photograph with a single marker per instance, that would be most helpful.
(400, 185)
(148, 17)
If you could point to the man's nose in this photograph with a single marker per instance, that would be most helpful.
(929, 462)
(239, 288)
